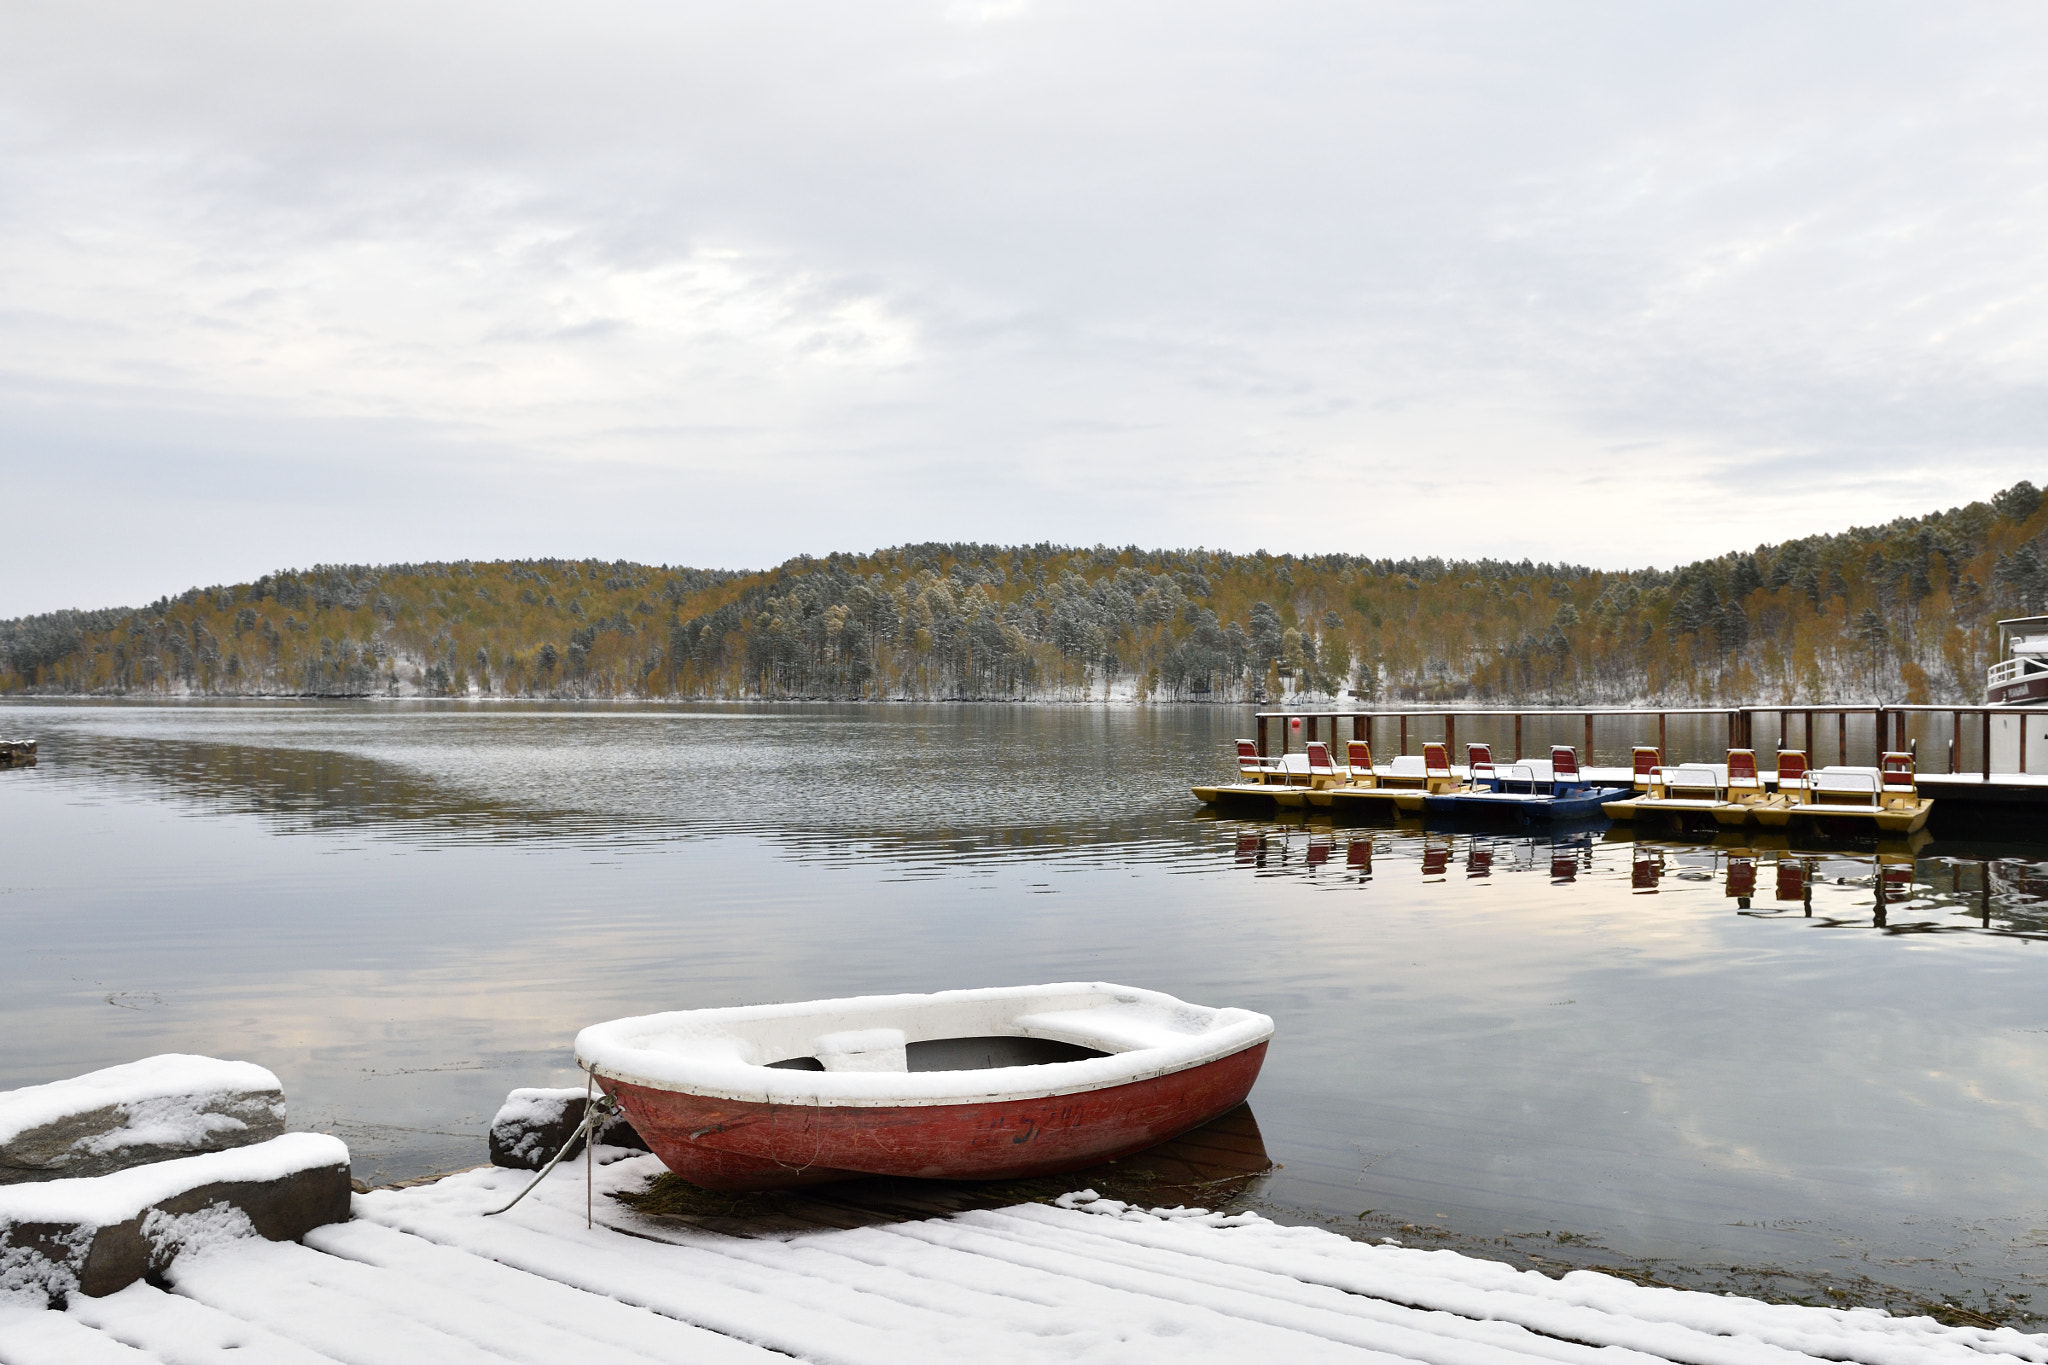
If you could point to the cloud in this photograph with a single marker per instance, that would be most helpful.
(1585, 282)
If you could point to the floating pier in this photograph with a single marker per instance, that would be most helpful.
(421, 1274)
(1977, 763)
(222, 1253)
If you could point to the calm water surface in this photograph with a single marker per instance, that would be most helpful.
(1821, 1073)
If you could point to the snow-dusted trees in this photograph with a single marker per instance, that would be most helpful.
(1902, 612)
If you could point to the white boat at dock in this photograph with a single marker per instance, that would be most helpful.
(2020, 677)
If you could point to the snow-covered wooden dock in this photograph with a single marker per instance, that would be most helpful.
(420, 1275)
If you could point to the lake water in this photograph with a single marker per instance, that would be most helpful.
(1822, 1076)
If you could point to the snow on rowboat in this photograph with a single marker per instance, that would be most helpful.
(997, 1083)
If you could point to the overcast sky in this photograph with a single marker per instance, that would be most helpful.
(719, 284)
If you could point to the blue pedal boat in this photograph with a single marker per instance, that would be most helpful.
(1524, 791)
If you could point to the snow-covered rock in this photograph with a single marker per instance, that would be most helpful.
(533, 1123)
(97, 1234)
(173, 1105)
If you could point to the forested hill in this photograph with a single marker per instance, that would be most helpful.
(1901, 612)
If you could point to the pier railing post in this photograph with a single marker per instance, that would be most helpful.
(1518, 736)
(1589, 739)
(1262, 737)
(1663, 754)
(1404, 732)
(1985, 716)
(1450, 738)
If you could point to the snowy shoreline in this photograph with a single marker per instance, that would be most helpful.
(419, 1273)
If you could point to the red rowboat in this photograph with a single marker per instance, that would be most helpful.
(998, 1083)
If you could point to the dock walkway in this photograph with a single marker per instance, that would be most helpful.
(420, 1275)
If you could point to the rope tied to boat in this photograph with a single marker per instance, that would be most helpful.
(597, 1108)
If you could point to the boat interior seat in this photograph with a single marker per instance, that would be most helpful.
(1249, 761)
(1863, 783)
(1105, 1030)
(866, 1049)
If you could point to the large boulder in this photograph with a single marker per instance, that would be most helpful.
(97, 1234)
(153, 1110)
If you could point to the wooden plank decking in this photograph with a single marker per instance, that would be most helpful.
(883, 1275)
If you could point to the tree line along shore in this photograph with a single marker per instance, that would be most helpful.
(1901, 612)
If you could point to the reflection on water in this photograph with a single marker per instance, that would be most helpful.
(1821, 1065)
(1897, 890)
(1348, 854)
(826, 781)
